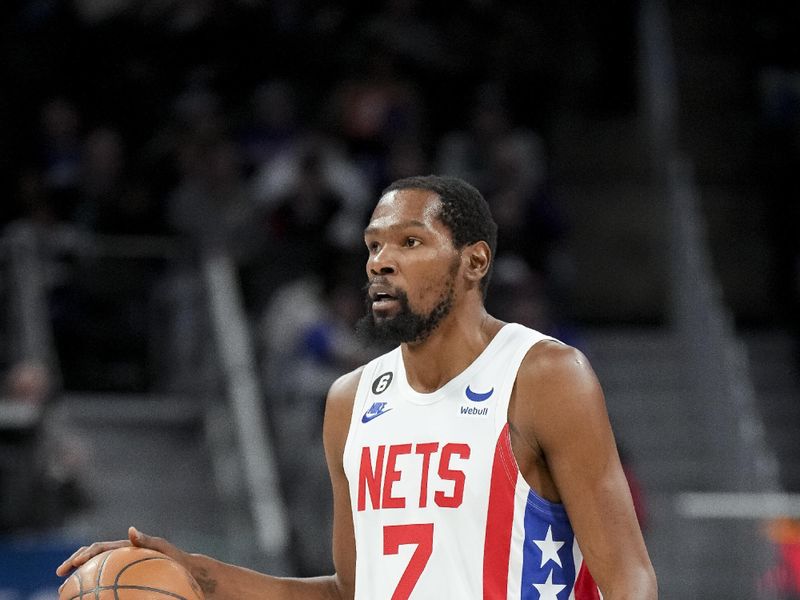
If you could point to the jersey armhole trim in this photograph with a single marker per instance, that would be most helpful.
(361, 394)
(554, 511)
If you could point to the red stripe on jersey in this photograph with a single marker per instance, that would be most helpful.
(500, 517)
(585, 587)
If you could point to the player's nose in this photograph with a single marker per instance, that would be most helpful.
(382, 262)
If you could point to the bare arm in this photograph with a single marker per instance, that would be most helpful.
(560, 412)
(222, 581)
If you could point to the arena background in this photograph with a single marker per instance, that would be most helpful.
(184, 183)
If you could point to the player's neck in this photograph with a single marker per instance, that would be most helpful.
(450, 349)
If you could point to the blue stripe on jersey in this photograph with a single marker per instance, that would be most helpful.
(547, 524)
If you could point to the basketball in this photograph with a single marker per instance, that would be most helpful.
(131, 574)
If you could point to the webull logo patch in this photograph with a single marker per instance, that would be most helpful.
(474, 411)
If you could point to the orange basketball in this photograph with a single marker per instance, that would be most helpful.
(131, 574)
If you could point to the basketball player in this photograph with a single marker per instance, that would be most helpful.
(475, 460)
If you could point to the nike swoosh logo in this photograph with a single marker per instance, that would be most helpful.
(373, 414)
(478, 396)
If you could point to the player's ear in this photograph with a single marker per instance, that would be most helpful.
(476, 259)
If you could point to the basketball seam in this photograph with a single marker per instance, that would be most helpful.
(136, 562)
(99, 577)
(77, 576)
(142, 588)
(117, 587)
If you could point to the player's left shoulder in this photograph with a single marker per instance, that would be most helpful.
(556, 395)
(551, 357)
(554, 369)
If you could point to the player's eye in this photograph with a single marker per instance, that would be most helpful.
(412, 242)
(373, 247)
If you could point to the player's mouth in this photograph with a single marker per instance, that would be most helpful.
(383, 300)
(382, 296)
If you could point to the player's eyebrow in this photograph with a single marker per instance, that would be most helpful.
(370, 229)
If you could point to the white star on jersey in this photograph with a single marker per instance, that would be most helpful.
(549, 548)
(548, 590)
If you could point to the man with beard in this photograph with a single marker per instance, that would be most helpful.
(476, 459)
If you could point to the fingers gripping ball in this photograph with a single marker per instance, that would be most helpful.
(131, 574)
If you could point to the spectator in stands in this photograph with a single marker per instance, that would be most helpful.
(329, 344)
(531, 223)
(33, 200)
(212, 205)
(101, 180)
(307, 340)
(312, 199)
(521, 294)
(25, 390)
(58, 156)
(508, 163)
(304, 212)
(115, 195)
(29, 383)
(409, 32)
(405, 157)
(272, 125)
(373, 107)
(470, 153)
(308, 334)
(40, 472)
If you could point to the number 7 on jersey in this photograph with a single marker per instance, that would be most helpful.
(395, 536)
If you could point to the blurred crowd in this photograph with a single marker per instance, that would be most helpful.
(267, 130)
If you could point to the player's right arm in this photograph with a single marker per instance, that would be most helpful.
(222, 581)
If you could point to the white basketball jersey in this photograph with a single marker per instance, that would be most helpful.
(439, 507)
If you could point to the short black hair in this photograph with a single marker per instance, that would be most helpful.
(464, 211)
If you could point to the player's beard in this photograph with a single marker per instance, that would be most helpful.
(405, 326)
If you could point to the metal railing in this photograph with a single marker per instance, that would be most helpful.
(29, 321)
(715, 365)
(246, 472)
(716, 360)
(242, 385)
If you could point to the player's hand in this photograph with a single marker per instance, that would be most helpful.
(135, 538)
